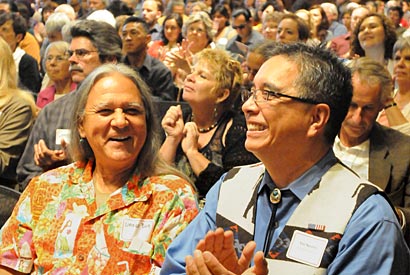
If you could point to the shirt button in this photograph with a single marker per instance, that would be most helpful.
(81, 257)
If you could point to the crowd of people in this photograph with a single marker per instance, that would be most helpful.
(283, 148)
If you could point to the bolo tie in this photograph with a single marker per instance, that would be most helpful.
(274, 197)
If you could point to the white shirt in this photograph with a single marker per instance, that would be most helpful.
(356, 157)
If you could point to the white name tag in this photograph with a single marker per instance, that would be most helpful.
(136, 228)
(62, 134)
(306, 248)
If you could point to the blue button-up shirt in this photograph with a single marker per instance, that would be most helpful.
(372, 243)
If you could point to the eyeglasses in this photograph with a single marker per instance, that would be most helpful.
(80, 53)
(57, 58)
(259, 95)
(241, 26)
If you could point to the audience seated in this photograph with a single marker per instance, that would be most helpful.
(397, 115)
(136, 37)
(375, 152)
(13, 28)
(209, 140)
(57, 66)
(17, 113)
(93, 43)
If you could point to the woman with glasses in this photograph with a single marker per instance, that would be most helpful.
(198, 35)
(209, 140)
(57, 66)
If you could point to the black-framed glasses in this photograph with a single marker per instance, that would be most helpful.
(240, 27)
(263, 95)
(80, 53)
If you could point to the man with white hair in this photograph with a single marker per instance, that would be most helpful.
(335, 28)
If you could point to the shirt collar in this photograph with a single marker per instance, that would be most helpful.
(302, 185)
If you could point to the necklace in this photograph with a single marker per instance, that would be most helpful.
(206, 130)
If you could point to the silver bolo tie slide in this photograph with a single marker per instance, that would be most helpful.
(275, 196)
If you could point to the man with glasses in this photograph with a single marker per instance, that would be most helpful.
(300, 208)
(93, 43)
(242, 22)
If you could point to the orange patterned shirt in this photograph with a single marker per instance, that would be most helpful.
(57, 228)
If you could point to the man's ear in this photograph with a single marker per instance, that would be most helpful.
(19, 37)
(81, 130)
(320, 114)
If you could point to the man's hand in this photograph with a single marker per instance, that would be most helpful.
(46, 158)
(205, 263)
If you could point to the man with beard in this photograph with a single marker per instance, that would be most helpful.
(93, 43)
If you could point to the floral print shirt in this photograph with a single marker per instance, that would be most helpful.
(57, 228)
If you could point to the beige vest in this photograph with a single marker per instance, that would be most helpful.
(331, 204)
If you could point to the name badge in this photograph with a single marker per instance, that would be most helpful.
(136, 228)
(62, 134)
(306, 248)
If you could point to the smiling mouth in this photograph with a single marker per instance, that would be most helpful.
(120, 139)
(255, 127)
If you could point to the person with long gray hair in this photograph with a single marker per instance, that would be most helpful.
(93, 44)
(116, 209)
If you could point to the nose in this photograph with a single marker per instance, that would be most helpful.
(73, 58)
(357, 115)
(119, 119)
(249, 106)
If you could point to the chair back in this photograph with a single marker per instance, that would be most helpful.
(8, 199)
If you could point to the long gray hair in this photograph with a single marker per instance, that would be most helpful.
(148, 163)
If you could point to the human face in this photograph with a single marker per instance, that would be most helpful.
(395, 17)
(197, 37)
(362, 114)
(114, 122)
(83, 65)
(287, 31)
(199, 86)
(5, 7)
(242, 27)
(277, 126)
(316, 17)
(270, 30)
(346, 20)
(96, 4)
(402, 66)
(150, 12)
(57, 65)
(171, 30)
(220, 20)
(134, 38)
(357, 15)
(253, 62)
(8, 34)
(371, 33)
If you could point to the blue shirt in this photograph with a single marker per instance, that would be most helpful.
(372, 243)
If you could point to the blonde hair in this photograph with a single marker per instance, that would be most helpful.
(8, 79)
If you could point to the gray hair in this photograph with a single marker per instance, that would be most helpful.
(199, 16)
(373, 73)
(60, 46)
(103, 36)
(56, 22)
(323, 78)
(401, 44)
(148, 162)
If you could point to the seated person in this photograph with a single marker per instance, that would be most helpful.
(16, 117)
(208, 141)
(116, 209)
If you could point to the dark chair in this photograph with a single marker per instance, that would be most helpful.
(8, 199)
